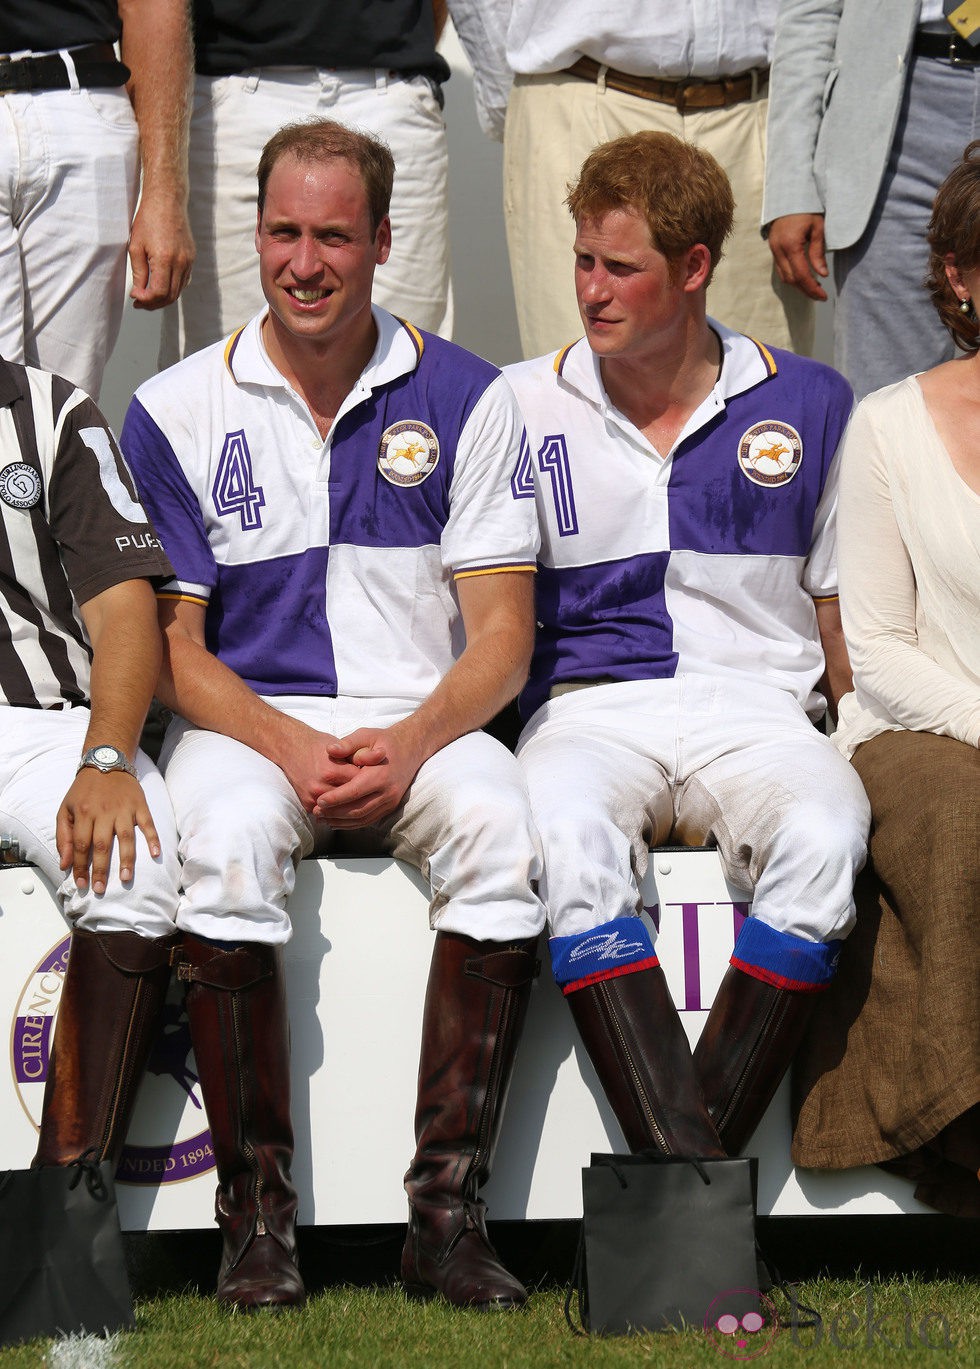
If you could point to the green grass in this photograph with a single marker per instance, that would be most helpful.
(351, 1328)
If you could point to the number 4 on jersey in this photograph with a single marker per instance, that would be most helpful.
(234, 489)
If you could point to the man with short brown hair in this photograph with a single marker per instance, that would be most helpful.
(352, 602)
(571, 76)
(688, 638)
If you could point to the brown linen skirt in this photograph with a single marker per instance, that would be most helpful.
(893, 1051)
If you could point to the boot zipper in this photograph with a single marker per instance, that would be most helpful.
(122, 1078)
(510, 1008)
(486, 1118)
(641, 1093)
(247, 1149)
(736, 1094)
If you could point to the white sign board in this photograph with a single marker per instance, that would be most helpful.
(356, 968)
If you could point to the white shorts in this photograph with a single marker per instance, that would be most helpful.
(41, 750)
(233, 118)
(465, 824)
(613, 770)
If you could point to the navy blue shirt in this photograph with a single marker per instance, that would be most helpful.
(397, 35)
(42, 25)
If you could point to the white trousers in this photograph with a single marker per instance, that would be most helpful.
(40, 752)
(612, 770)
(68, 180)
(553, 123)
(233, 118)
(465, 824)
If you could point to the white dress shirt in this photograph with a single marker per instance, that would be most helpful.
(669, 39)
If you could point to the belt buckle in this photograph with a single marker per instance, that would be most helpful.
(954, 58)
(680, 98)
(7, 64)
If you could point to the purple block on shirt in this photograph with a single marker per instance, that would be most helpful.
(604, 620)
(436, 400)
(267, 621)
(726, 497)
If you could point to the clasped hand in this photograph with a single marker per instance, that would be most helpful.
(385, 763)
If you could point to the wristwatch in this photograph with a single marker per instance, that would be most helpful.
(106, 758)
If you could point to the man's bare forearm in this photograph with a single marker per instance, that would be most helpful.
(202, 689)
(156, 47)
(499, 620)
(837, 679)
(122, 625)
(487, 676)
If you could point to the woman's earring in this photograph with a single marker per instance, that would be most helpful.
(967, 309)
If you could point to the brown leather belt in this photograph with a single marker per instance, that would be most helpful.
(95, 65)
(683, 95)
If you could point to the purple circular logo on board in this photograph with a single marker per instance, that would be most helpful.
(169, 1089)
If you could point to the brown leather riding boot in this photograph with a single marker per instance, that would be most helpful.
(108, 1019)
(236, 1002)
(475, 1007)
(637, 1044)
(752, 1033)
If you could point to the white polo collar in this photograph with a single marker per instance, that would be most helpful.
(745, 363)
(397, 353)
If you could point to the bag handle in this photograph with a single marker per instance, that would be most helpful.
(577, 1286)
(788, 1290)
(86, 1166)
(615, 1163)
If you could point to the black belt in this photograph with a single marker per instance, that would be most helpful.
(95, 65)
(927, 43)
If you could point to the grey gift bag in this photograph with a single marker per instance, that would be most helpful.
(62, 1266)
(666, 1241)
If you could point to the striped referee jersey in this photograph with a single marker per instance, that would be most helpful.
(70, 527)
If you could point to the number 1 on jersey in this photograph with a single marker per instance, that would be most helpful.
(553, 459)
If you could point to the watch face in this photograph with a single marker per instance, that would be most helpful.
(107, 755)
